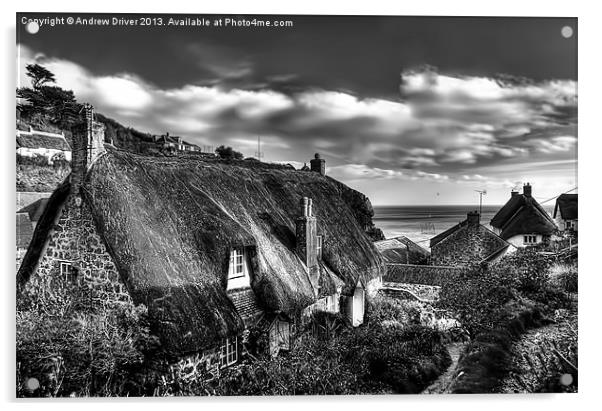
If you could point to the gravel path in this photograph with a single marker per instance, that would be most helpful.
(442, 384)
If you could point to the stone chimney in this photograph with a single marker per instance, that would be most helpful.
(318, 164)
(473, 218)
(513, 193)
(527, 190)
(307, 240)
(88, 145)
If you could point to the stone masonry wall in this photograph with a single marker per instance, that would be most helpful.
(468, 245)
(404, 291)
(419, 274)
(75, 240)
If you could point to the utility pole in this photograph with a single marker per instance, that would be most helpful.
(481, 193)
(259, 154)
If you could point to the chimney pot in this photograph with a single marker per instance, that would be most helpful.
(318, 164)
(474, 218)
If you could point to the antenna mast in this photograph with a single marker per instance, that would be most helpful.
(259, 153)
(481, 193)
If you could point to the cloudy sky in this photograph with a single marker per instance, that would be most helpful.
(408, 110)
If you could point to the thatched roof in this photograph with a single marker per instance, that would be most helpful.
(42, 141)
(567, 204)
(170, 223)
(522, 214)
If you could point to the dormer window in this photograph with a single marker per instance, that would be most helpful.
(237, 263)
(239, 271)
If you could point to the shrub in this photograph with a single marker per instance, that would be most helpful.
(328, 358)
(564, 276)
(228, 153)
(72, 347)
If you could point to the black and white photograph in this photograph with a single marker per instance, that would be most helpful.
(295, 205)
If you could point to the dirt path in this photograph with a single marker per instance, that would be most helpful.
(442, 384)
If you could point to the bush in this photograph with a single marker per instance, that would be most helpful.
(228, 153)
(329, 358)
(564, 277)
(487, 358)
(72, 348)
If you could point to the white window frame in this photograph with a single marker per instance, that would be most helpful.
(568, 224)
(331, 303)
(65, 270)
(530, 239)
(237, 263)
(229, 352)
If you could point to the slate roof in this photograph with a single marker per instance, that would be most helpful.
(35, 209)
(401, 250)
(42, 141)
(24, 230)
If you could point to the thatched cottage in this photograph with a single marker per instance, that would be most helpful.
(522, 221)
(210, 247)
(565, 212)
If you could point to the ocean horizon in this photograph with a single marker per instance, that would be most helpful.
(420, 223)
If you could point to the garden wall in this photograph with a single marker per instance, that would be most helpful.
(419, 274)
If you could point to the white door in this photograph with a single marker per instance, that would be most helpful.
(358, 307)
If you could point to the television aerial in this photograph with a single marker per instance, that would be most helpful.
(481, 194)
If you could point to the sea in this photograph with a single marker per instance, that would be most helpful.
(421, 223)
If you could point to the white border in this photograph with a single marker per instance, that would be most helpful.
(589, 157)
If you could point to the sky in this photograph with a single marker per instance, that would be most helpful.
(407, 110)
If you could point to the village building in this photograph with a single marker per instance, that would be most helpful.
(565, 212)
(174, 143)
(212, 249)
(468, 242)
(35, 143)
(402, 250)
(522, 221)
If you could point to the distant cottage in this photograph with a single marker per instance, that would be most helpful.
(468, 242)
(174, 143)
(565, 212)
(212, 249)
(34, 143)
(522, 221)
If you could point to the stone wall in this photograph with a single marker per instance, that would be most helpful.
(75, 240)
(468, 245)
(419, 274)
(411, 291)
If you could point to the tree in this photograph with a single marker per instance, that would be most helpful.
(39, 75)
(58, 104)
(228, 153)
